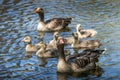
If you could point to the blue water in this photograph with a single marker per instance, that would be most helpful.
(18, 19)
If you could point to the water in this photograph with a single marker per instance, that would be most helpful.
(18, 19)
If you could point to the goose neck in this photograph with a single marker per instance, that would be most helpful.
(41, 16)
(76, 41)
(55, 38)
(61, 52)
(40, 52)
(29, 43)
(79, 33)
(76, 38)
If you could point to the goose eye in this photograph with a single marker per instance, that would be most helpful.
(27, 38)
(41, 9)
(35, 9)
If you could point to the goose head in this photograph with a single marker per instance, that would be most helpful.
(78, 28)
(75, 35)
(27, 39)
(39, 10)
(60, 41)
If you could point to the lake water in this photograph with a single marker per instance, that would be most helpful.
(18, 19)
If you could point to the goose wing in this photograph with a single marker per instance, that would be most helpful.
(94, 54)
(80, 61)
(84, 58)
(58, 23)
(52, 51)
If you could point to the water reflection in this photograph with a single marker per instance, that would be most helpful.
(29, 54)
(43, 61)
(96, 73)
(18, 19)
(41, 35)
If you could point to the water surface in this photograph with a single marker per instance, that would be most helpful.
(18, 19)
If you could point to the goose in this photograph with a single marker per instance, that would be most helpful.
(44, 52)
(53, 42)
(54, 24)
(78, 63)
(29, 46)
(84, 44)
(85, 33)
(68, 40)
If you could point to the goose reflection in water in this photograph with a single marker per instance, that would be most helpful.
(97, 72)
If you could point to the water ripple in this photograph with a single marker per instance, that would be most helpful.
(18, 20)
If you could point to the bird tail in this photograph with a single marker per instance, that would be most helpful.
(68, 20)
(103, 51)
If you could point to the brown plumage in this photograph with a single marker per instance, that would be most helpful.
(84, 44)
(52, 43)
(77, 62)
(93, 54)
(85, 33)
(30, 47)
(68, 40)
(50, 52)
(54, 24)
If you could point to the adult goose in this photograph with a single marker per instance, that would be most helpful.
(77, 63)
(85, 33)
(54, 24)
(30, 47)
(44, 52)
(84, 44)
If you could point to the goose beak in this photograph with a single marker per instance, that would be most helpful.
(104, 50)
(22, 40)
(36, 10)
(61, 41)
